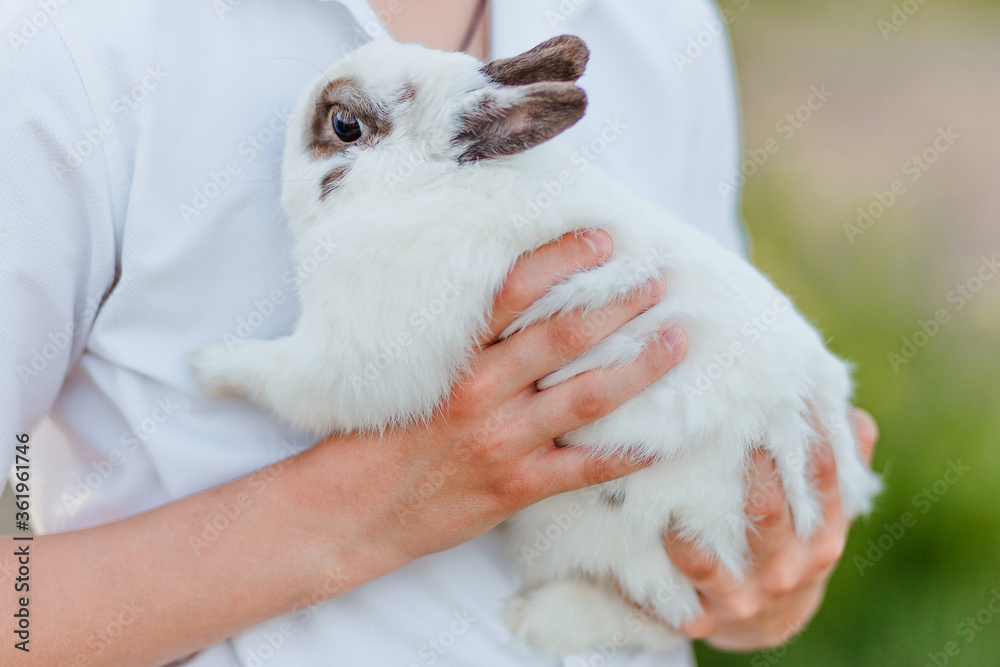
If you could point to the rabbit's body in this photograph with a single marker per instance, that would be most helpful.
(414, 251)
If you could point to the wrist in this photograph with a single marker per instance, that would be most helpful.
(342, 507)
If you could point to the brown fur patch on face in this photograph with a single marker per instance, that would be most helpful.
(346, 95)
(562, 58)
(332, 181)
(543, 111)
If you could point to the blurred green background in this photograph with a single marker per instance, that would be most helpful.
(907, 599)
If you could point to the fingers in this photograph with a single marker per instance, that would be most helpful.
(545, 346)
(594, 394)
(536, 272)
(701, 627)
(573, 468)
(729, 629)
(825, 480)
(768, 508)
(701, 569)
(772, 544)
(588, 397)
(824, 464)
(865, 432)
(786, 586)
(827, 545)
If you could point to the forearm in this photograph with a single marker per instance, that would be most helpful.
(350, 509)
(190, 573)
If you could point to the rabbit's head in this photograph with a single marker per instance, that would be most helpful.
(390, 113)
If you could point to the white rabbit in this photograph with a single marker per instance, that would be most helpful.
(419, 168)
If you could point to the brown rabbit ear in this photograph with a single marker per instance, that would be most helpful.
(510, 119)
(561, 58)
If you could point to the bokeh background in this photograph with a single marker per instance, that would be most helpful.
(908, 600)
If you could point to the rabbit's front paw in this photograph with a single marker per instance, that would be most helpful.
(218, 370)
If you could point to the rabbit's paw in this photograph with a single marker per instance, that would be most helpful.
(243, 370)
(576, 616)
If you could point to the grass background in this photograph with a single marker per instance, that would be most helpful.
(891, 94)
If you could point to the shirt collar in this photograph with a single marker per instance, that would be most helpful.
(521, 25)
(366, 17)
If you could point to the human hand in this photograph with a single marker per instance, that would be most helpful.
(491, 451)
(784, 590)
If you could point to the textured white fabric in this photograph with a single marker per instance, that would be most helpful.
(143, 138)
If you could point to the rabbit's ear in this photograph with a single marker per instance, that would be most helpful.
(509, 119)
(561, 58)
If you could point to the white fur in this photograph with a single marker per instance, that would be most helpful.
(382, 337)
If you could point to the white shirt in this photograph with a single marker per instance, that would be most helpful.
(144, 138)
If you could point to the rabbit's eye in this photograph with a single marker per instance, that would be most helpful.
(347, 128)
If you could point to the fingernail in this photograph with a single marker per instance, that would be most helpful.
(656, 287)
(600, 243)
(676, 340)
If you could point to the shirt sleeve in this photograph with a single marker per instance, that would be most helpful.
(57, 241)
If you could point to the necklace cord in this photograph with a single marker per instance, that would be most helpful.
(473, 27)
